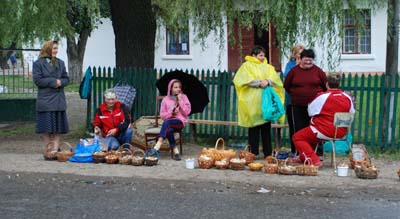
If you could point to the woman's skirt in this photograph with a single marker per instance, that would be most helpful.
(54, 122)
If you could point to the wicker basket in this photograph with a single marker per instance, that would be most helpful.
(205, 161)
(99, 157)
(358, 155)
(366, 171)
(111, 158)
(255, 166)
(64, 155)
(49, 153)
(125, 157)
(307, 169)
(237, 164)
(287, 169)
(271, 165)
(222, 164)
(219, 154)
(137, 157)
(153, 159)
(247, 155)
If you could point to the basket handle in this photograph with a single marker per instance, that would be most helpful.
(247, 147)
(124, 149)
(223, 143)
(307, 162)
(138, 152)
(122, 145)
(153, 152)
(68, 145)
(271, 160)
(48, 146)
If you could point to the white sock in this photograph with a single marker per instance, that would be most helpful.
(176, 151)
(158, 146)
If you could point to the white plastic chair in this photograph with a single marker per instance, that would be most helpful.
(341, 120)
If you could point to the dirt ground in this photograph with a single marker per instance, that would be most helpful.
(23, 154)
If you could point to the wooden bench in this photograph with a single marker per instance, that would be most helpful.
(194, 122)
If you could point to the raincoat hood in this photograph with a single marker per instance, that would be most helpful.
(255, 60)
(170, 86)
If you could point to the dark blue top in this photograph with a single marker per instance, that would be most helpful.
(288, 67)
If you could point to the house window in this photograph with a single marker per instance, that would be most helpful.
(357, 40)
(178, 43)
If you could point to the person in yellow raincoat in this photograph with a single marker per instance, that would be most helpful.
(254, 75)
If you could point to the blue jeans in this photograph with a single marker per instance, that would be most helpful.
(167, 130)
(113, 143)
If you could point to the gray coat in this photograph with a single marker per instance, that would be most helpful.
(45, 75)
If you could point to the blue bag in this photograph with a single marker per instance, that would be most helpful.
(83, 153)
(85, 86)
(271, 105)
(341, 147)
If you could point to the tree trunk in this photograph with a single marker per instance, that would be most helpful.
(135, 29)
(392, 52)
(76, 53)
(5, 55)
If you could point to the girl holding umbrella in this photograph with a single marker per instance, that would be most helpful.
(254, 75)
(175, 109)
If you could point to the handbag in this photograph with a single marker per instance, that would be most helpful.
(85, 86)
(125, 93)
(271, 105)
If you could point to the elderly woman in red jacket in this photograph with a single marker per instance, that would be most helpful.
(112, 120)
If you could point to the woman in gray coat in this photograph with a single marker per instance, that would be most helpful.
(50, 76)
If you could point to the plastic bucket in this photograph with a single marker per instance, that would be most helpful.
(190, 163)
(343, 171)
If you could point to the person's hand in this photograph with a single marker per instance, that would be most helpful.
(179, 97)
(264, 83)
(175, 110)
(58, 83)
(112, 132)
(96, 130)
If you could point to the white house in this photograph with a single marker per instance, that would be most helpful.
(360, 53)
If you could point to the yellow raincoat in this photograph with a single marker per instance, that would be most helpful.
(249, 98)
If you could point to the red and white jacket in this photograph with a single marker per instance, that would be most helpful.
(322, 110)
(117, 118)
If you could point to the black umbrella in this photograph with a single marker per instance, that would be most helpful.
(191, 86)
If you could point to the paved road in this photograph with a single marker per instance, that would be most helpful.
(45, 195)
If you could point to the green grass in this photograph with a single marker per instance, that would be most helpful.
(72, 87)
(18, 130)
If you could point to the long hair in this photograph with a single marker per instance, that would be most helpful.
(295, 50)
(46, 51)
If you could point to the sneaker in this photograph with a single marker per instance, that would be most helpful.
(177, 157)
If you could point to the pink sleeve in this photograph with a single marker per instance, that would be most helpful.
(184, 106)
(164, 112)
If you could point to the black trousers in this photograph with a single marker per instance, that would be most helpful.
(254, 139)
(298, 119)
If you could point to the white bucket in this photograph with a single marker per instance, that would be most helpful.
(343, 171)
(190, 163)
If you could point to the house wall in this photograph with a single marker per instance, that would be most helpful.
(199, 58)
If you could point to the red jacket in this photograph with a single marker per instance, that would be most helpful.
(303, 85)
(107, 120)
(323, 108)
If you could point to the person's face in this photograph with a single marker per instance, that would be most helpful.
(297, 55)
(260, 56)
(176, 88)
(306, 62)
(110, 102)
(54, 50)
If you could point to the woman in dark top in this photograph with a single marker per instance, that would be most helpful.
(303, 83)
(50, 77)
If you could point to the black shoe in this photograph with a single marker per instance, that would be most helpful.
(177, 157)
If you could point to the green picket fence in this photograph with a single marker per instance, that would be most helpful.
(370, 91)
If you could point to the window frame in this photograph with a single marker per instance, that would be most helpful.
(366, 13)
(177, 40)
